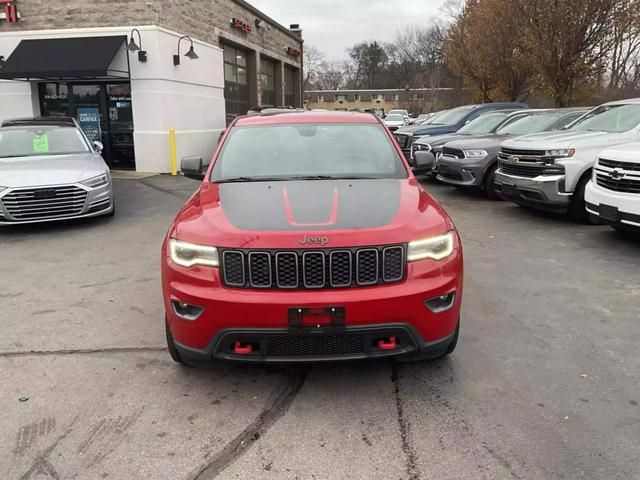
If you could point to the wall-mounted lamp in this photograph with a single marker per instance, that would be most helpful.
(190, 54)
(260, 23)
(132, 46)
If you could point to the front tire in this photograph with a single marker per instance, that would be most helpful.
(171, 345)
(489, 184)
(578, 209)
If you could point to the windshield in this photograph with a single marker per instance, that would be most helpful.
(483, 124)
(284, 152)
(41, 140)
(394, 118)
(610, 118)
(453, 116)
(530, 124)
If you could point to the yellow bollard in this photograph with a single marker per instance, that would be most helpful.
(172, 152)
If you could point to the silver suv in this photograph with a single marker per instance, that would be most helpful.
(49, 170)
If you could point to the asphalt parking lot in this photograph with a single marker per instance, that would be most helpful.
(545, 383)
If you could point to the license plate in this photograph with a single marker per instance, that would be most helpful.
(508, 190)
(607, 212)
(319, 319)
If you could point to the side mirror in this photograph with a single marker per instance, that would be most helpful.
(191, 167)
(424, 160)
(98, 146)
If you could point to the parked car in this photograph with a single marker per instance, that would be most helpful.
(449, 122)
(400, 111)
(550, 170)
(613, 194)
(308, 240)
(393, 121)
(482, 125)
(472, 162)
(49, 170)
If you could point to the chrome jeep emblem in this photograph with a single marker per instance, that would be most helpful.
(307, 240)
(617, 174)
(512, 159)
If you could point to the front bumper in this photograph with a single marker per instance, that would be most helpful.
(545, 192)
(381, 311)
(98, 201)
(455, 172)
(276, 345)
(613, 208)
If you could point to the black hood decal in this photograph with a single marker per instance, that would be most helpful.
(310, 205)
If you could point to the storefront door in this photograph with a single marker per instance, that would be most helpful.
(104, 112)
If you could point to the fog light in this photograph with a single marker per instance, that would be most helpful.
(441, 303)
(186, 310)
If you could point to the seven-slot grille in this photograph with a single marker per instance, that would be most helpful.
(618, 176)
(47, 202)
(313, 269)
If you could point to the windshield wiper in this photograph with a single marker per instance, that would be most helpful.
(333, 177)
(250, 179)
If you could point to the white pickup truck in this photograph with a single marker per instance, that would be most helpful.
(551, 170)
(613, 194)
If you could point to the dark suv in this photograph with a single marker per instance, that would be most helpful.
(310, 239)
(449, 122)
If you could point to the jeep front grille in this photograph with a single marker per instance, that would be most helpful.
(313, 269)
(44, 202)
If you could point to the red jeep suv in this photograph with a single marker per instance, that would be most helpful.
(309, 239)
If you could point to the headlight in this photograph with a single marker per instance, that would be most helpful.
(422, 147)
(475, 153)
(98, 181)
(435, 248)
(189, 254)
(560, 152)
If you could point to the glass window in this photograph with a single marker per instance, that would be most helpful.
(290, 87)
(41, 140)
(610, 118)
(236, 90)
(267, 82)
(530, 124)
(453, 116)
(483, 124)
(285, 151)
(55, 99)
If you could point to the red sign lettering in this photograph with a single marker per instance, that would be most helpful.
(293, 51)
(241, 25)
(10, 11)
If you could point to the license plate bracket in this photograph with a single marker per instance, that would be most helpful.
(316, 319)
(608, 212)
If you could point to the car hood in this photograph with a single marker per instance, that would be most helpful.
(347, 212)
(564, 139)
(422, 130)
(49, 169)
(484, 142)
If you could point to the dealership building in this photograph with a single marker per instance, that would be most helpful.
(131, 72)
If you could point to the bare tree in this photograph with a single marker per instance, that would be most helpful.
(312, 63)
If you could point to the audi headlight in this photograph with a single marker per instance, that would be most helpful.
(189, 254)
(475, 153)
(99, 181)
(435, 248)
(560, 152)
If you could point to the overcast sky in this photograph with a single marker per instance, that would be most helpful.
(335, 25)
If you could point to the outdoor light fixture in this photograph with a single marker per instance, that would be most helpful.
(190, 54)
(132, 46)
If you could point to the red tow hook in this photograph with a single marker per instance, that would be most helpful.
(240, 349)
(389, 344)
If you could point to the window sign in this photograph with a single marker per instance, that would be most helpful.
(41, 144)
(89, 120)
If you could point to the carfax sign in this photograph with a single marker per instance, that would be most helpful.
(89, 120)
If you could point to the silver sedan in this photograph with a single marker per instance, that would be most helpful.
(50, 171)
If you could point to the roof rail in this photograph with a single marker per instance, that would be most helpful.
(32, 121)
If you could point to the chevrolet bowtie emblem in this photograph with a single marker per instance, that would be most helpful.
(513, 159)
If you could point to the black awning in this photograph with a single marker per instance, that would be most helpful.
(60, 58)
